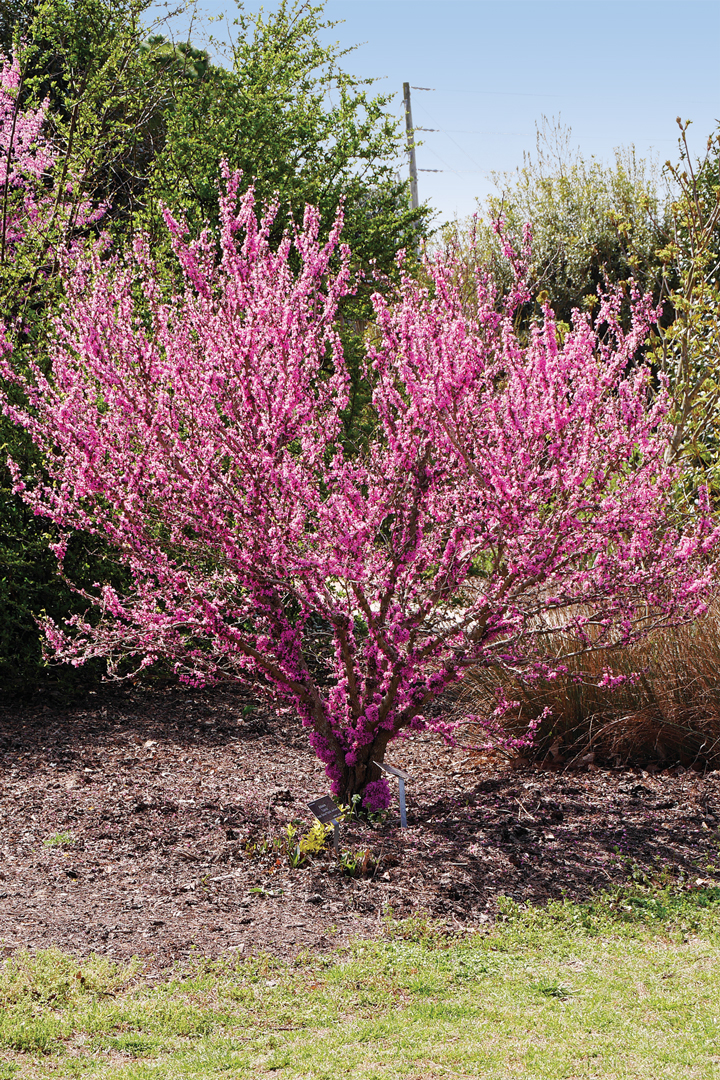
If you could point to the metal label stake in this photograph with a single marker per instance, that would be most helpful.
(402, 776)
(403, 812)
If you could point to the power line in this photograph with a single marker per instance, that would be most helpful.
(466, 131)
(460, 148)
(549, 94)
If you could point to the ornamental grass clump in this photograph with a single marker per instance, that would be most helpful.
(664, 708)
(504, 481)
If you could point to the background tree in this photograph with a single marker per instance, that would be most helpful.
(301, 130)
(505, 489)
(591, 222)
(688, 349)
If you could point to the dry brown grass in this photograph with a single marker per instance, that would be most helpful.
(670, 713)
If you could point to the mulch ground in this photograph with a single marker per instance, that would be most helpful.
(172, 801)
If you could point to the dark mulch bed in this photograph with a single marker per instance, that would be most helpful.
(162, 791)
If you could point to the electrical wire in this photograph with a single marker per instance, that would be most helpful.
(460, 148)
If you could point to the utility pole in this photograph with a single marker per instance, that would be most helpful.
(411, 146)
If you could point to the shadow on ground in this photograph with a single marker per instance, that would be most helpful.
(126, 827)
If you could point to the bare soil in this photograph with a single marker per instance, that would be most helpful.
(172, 800)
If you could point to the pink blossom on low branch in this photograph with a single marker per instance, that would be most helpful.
(377, 795)
(508, 488)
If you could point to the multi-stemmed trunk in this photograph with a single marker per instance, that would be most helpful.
(356, 778)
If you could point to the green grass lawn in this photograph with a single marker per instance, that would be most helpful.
(628, 986)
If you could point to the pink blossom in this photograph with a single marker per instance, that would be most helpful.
(25, 157)
(377, 795)
(34, 206)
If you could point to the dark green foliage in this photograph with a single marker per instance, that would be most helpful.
(29, 585)
(298, 127)
(15, 19)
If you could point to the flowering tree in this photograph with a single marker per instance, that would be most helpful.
(506, 486)
(42, 205)
(25, 157)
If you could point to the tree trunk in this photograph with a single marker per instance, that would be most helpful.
(356, 777)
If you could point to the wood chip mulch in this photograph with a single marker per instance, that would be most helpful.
(144, 823)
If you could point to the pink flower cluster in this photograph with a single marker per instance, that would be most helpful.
(25, 158)
(510, 486)
(32, 204)
(377, 795)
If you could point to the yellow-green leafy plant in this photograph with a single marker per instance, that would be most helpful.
(687, 351)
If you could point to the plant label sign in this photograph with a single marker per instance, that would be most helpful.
(402, 776)
(400, 773)
(325, 811)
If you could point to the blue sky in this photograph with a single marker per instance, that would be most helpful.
(618, 73)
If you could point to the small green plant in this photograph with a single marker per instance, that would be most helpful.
(59, 839)
(507, 907)
(296, 858)
(312, 843)
(350, 811)
(292, 844)
(358, 863)
(355, 811)
(315, 841)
